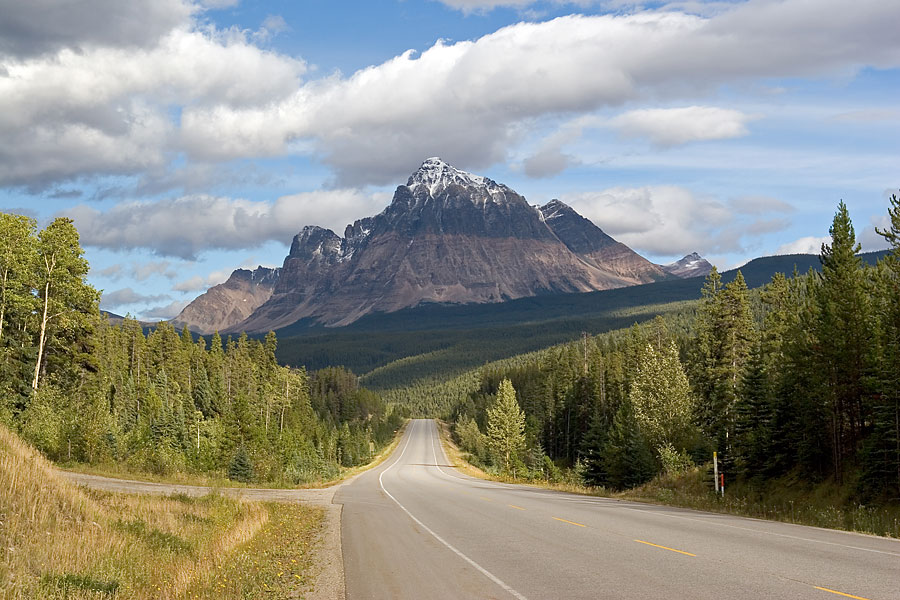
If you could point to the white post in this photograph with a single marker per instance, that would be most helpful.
(716, 471)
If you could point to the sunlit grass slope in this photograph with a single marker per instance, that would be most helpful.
(60, 541)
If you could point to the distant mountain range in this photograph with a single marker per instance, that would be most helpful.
(448, 237)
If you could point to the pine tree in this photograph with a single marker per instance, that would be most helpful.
(506, 425)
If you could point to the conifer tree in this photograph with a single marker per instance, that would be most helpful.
(241, 468)
(506, 425)
(843, 334)
(627, 458)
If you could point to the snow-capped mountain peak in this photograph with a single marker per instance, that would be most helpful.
(437, 175)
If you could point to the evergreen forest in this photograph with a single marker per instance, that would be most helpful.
(796, 381)
(83, 390)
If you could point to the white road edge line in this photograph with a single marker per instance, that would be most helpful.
(481, 569)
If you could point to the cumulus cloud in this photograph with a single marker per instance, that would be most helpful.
(116, 118)
(198, 283)
(675, 126)
(804, 245)
(214, 96)
(187, 226)
(869, 238)
(670, 220)
(127, 297)
(164, 312)
(39, 27)
(468, 101)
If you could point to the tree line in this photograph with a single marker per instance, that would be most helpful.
(800, 378)
(82, 389)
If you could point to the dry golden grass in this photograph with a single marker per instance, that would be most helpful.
(61, 541)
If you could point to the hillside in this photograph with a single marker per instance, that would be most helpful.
(124, 546)
(448, 339)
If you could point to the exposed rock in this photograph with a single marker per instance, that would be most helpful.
(229, 303)
(692, 265)
(448, 236)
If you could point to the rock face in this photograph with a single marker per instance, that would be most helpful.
(451, 237)
(227, 304)
(692, 265)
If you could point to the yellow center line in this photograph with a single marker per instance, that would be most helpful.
(840, 593)
(665, 548)
(485, 499)
(516, 507)
(569, 522)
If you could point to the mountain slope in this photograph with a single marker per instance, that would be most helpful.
(447, 237)
(229, 303)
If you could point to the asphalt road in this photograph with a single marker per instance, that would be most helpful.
(416, 528)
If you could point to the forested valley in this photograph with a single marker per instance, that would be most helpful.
(83, 390)
(798, 381)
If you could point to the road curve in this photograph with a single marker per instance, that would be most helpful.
(414, 527)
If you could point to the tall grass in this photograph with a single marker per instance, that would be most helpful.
(61, 541)
(788, 500)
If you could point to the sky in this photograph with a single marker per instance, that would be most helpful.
(187, 138)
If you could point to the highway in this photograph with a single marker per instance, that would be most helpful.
(414, 527)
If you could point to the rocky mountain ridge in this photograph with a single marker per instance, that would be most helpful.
(447, 236)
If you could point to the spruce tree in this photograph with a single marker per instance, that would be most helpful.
(241, 469)
(843, 339)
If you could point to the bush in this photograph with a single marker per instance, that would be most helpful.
(673, 461)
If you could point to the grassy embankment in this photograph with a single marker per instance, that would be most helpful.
(61, 541)
(823, 505)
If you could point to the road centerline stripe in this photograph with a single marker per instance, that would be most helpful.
(478, 567)
(840, 593)
(516, 507)
(665, 548)
(569, 522)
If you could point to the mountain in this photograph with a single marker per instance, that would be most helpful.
(227, 304)
(447, 237)
(692, 265)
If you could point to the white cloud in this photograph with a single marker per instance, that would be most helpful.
(804, 245)
(670, 220)
(755, 205)
(676, 126)
(165, 311)
(128, 297)
(115, 116)
(869, 238)
(215, 96)
(37, 27)
(185, 227)
(198, 283)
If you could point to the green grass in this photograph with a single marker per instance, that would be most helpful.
(787, 499)
(276, 563)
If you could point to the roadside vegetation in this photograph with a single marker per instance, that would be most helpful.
(61, 541)
(162, 403)
(794, 386)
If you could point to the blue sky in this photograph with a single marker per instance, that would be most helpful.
(198, 136)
